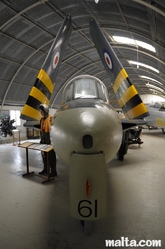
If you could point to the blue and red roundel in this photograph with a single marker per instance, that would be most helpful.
(56, 59)
(108, 60)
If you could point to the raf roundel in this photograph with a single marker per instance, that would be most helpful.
(56, 60)
(108, 60)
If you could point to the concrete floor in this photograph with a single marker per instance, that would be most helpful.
(36, 216)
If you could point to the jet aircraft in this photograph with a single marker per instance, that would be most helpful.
(157, 116)
(86, 131)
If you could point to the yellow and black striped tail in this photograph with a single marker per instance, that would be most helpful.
(128, 97)
(126, 93)
(44, 85)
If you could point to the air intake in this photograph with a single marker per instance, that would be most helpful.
(87, 141)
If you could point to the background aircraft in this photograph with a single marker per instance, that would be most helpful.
(86, 132)
(157, 116)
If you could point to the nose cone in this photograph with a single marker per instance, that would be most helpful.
(86, 131)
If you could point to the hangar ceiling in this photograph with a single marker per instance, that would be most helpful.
(28, 28)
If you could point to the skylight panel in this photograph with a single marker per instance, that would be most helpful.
(151, 79)
(155, 87)
(144, 65)
(130, 41)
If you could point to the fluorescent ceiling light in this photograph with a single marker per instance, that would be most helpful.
(134, 42)
(154, 91)
(148, 78)
(157, 92)
(143, 65)
(155, 87)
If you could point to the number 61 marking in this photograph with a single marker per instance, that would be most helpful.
(88, 207)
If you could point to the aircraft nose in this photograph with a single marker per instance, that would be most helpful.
(88, 131)
(97, 131)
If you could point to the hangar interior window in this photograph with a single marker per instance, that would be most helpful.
(15, 114)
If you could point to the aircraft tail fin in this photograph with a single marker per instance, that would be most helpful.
(126, 93)
(44, 85)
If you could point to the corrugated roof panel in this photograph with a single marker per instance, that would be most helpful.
(18, 93)
(19, 5)
(79, 61)
(14, 50)
(26, 76)
(5, 14)
(5, 43)
(25, 53)
(36, 60)
(7, 69)
(3, 86)
(17, 27)
(31, 35)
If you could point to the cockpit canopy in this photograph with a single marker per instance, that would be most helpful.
(85, 87)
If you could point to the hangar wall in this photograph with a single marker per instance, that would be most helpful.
(20, 127)
(23, 131)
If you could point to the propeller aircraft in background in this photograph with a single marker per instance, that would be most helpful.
(86, 131)
(156, 119)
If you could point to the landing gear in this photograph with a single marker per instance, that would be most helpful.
(124, 146)
(87, 227)
(134, 136)
(120, 153)
(131, 136)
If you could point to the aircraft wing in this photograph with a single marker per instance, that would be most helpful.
(32, 124)
(128, 124)
(44, 84)
(126, 93)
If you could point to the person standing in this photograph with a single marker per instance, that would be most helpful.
(45, 126)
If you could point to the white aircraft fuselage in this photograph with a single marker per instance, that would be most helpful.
(86, 124)
(86, 130)
(86, 134)
(157, 115)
